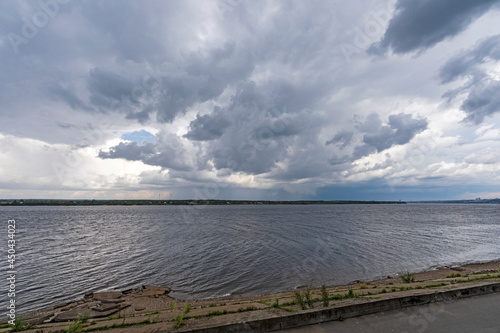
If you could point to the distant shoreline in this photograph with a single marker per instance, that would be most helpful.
(38, 202)
(93, 202)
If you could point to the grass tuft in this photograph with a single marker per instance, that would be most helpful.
(324, 296)
(75, 327)
(453, 275)
(300, 300)
(178, 321)
(19, 324)
(407, 277)
(276, 303)
(307, 294)
(187, 308)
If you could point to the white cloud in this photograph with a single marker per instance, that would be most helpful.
(34, 166)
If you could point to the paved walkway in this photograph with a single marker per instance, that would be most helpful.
(480, 314)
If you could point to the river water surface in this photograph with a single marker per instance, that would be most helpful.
(213, 251)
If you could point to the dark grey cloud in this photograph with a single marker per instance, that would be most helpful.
(207, 127)
(401, 129)
(482, 100)
(482, 90)
(173, 88)
(372, 124)
(404, 127)
(106, 88)
(253, 134)
(419, 25)
(259, 134)
(69, 97)
(167, 152)
(466, 62)
(305, 162)
(343, 139)
(130, 151)
(377, 137)
(265, 129)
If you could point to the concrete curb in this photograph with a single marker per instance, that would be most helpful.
(373, 306)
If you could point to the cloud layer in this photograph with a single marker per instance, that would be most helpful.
(245, 99)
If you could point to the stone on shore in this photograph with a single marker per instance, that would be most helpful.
(164, 290)
(107, 295)
(154, 291)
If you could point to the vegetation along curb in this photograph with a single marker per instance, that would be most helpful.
(349, 311)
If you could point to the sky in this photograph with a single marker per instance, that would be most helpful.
(262, 100)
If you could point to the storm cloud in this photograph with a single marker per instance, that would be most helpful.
(419, 25)
(206, 127)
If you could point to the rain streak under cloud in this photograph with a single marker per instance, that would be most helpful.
(235, 99)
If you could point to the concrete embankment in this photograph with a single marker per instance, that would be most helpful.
(320, 316)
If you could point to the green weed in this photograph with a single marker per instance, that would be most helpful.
(453, 275)
(187, 308)
(178, 321)
(19, 324)
(307, 294)
(324, 296)
(276, 304)
(407, 277)
(74, 328)
(300, 300)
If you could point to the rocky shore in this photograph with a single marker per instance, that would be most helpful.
(151, 309)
